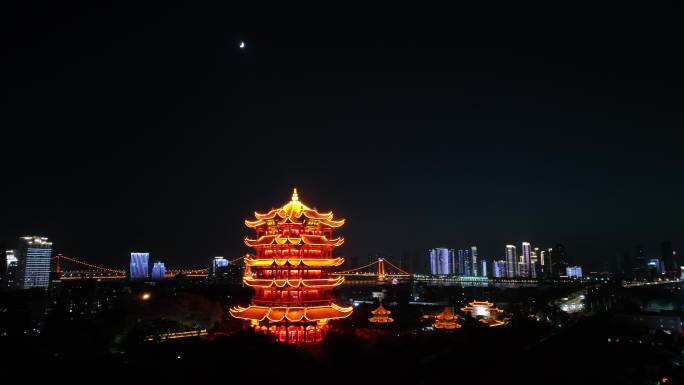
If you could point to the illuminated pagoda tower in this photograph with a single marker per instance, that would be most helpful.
(485, 312)
(447, 319)
(381, 315)
(291, 273)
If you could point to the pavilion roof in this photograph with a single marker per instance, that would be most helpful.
(294, 212)
(292, 314)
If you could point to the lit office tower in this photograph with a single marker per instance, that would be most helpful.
(139, 266)
(511, 261)
(158, 271)
(463, 266)
(574, 271)
(499, 269)
(540, 260)
(483, 268)
(525, 261)
(12, 264)
(473, 260)
(667, 256)
(534, 263)
(34, 262)
(218, 263)
(441, 261)
(452, 262)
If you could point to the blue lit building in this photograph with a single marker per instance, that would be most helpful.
(442, 261)
(33, 262)
(139, 266)
(483, 268)
(158, 271)
(473, 261)
(574, 271)
(464, 262)
(218, 263)
(525, 262)
(657, 266)
(499, 269)
(511, 261)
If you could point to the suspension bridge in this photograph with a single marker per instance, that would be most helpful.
(71, 268)
(381, 269)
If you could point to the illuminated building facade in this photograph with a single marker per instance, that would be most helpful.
(139, 266)
(218, 263)
(656, 266)
(473, 261)
(442, 261)
(158, 271)
(499, 269)
(511, 261)
(33, 262)
(574, 271)
(291, 273)
(464, 263)
(381, 315)
(525, 261)
(11, 267)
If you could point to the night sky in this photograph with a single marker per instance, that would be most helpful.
(149, 129)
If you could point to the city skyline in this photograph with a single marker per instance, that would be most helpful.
(484, 128)
(422, 263)
(401, 193)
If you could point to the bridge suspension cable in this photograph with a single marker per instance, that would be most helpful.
(400, 270)
(58, 258)
(356, 269)
(381, 270)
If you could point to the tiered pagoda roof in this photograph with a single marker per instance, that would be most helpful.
(485, 312)
(381, 315)
(293, 314)
(291, 273)
(447, 319)
(293, 212)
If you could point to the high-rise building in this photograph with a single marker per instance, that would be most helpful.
(499, 269)
(441, 261)
(140, 263)
(225, 272)
(217, 263)
(656, 266)
(541, 261)
(511, 261)
(525, 260)
(11, 267)
(463, 262)
(667, 256)
(33, 262)
(559, 259)
(158, 271)
(452, 262)
(473, 260)
(483, 268)
(534, 263)
(641, 263)
(574, 271)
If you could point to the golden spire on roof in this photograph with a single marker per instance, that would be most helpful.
(295, 196)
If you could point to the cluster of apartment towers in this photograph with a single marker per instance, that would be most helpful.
(531, 263)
